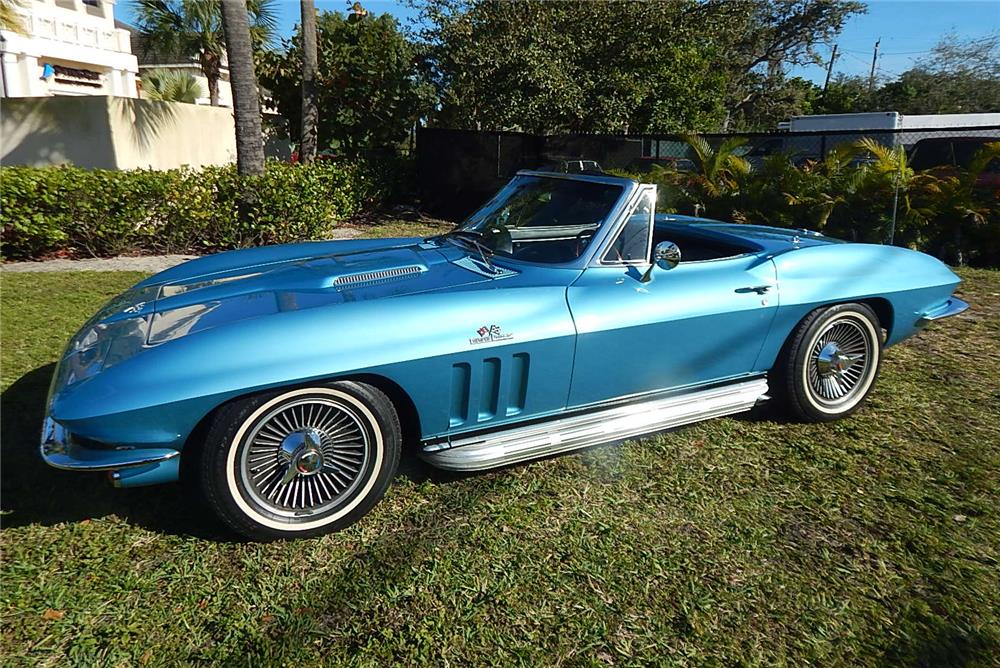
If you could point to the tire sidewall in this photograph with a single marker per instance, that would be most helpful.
(803, 399)
(224, 489)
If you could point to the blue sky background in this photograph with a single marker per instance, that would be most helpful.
(908, 29)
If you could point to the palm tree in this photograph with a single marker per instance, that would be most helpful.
(243, 80)
(170, 86)
(310, 63)
(10, 18)
(890, 172)
(720, 168)
(185, 28)
(718, 175)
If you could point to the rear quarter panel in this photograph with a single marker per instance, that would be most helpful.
(910, 283)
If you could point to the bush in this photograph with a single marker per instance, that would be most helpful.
(945, 212)
(105, 212)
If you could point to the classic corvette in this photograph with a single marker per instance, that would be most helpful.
(562, 314)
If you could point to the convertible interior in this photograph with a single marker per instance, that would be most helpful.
(565, 245)
(696, 245)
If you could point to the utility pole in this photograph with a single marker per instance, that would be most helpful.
(871, 77)
(829, 70)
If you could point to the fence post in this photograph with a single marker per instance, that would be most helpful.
(895, 197)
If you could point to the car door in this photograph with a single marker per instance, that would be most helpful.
(693, 324)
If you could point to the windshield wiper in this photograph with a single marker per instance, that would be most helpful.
(474, 237)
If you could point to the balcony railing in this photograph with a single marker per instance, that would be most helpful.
(78, 32)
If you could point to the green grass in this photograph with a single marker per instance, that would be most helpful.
(751, 541)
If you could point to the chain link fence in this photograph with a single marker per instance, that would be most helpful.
(458, 169)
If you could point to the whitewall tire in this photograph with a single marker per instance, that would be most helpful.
(831, 362)
(300, 462)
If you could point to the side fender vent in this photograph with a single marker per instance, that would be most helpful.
(376, 276)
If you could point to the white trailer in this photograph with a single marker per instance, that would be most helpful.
(809, 137)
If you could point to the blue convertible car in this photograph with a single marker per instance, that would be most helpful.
(562, 314)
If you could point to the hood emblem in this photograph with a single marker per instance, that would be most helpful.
(489, 334)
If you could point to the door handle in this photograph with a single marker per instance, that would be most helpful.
(759, 289)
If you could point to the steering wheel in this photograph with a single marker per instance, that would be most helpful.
(499, 238)
(583, 238)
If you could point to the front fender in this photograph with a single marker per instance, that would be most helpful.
(158, 396)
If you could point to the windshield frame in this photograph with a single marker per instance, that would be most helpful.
(605, 231)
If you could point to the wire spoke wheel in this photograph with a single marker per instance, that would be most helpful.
(304, 458)
(840, 362)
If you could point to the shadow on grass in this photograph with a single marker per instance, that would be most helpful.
(34, 493)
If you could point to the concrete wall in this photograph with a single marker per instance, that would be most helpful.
(114, 133)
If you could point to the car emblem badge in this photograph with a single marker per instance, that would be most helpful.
(489, 334)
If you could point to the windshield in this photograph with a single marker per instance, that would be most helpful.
(540, 219)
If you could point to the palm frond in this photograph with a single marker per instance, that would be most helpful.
(10, 18)
(171, 86)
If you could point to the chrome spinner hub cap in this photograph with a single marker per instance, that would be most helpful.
(842, 363)
(831, 360)
(304, 458)
(302, 451)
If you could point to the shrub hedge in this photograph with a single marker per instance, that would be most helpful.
(949, 212)
(105, 212)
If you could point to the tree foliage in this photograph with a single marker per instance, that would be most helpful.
(170, 86)
(367, 86)
(617, 66)
(193, 29)
(948, 211)
(959, 76)
(10, 18)
(764, 38)
(571, 66)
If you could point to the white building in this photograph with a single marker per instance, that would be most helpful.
(185, 63)
(72, 47)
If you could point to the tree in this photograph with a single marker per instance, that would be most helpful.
(170, 86)
(368, 87)
(571, 66)
(958, 77)
(187, 28)
(638, 67)
(10, 18)
(310, 110)
(243, 80)
(763, 38)
(776, 98)
(845, 95)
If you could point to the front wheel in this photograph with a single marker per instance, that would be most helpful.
(831, 363)
(300, 462)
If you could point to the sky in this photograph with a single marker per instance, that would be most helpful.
(908, 29)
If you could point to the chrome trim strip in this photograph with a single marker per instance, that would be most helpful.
(518, 444)
(59, 451)
(953, 306)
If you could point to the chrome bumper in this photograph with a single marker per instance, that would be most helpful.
(59, 451)
(953, 306)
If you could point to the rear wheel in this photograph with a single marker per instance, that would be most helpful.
(300, 462)
(831, 362)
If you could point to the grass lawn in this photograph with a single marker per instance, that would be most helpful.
(750, 541)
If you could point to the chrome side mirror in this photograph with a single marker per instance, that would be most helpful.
(666, 255)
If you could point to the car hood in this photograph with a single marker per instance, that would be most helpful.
(214, 291)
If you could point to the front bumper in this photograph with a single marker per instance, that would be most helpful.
(953, 306)
(128, 466)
